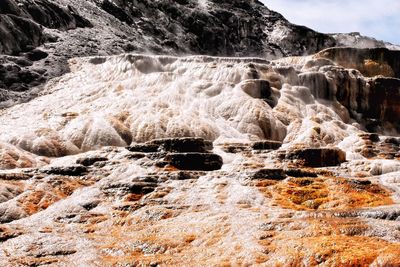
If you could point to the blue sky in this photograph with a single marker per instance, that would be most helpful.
(376, 18)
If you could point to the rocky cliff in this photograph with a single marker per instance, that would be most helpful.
(289, 156)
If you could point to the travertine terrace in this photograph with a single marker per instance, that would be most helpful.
(119, 157)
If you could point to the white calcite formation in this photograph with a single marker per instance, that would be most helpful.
(118, 100)
(12, 157)
(302, 182)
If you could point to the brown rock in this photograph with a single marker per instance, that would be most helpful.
(266, 145)
(185, 144)
(270, 174)
(89, 161)
(384, 101)
(145, 148)
(195, 161)
(317, 157)
(300, 173)
(75, 170)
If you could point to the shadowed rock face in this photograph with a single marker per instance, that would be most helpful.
(195, 161)
(365, 81)
(384, 101)
(374, 102)
(317, 157)
(23, 21)
(181, 153)
(18, 34)
(22, 28)
(54, 16)
(370, 61)
(223, 28)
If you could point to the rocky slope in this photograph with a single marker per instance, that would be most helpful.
(37, 37)
(172, 160)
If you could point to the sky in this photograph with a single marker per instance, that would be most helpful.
(375, 18)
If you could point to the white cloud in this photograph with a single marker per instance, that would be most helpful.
(376, 18)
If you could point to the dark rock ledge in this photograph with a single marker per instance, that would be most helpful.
(188, 153)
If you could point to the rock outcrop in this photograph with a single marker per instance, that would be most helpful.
(317, 157)
(182, 153)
